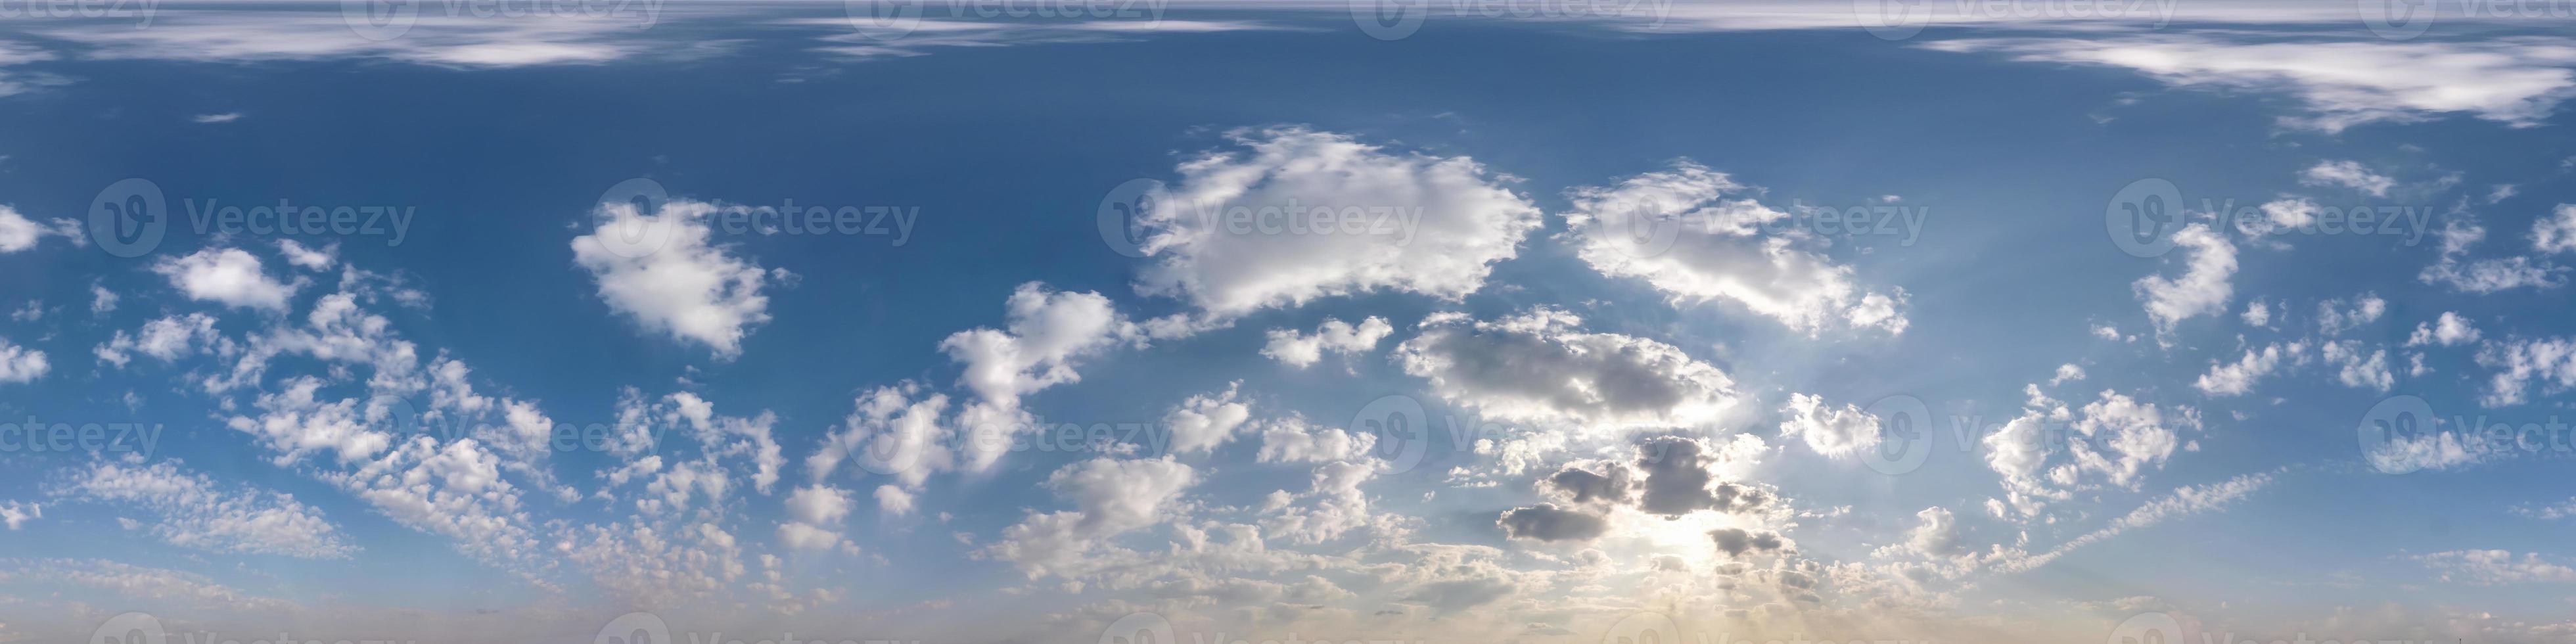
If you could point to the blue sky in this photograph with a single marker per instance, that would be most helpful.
(1487, 321)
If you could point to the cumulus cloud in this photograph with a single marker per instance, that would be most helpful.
(1291, 440)
(2336, 316)
(1205, 421)
(229, 276)
(1687, 233)
(1300, 350)
(166, 339)
(20, 364)
(814, 516)
(664, 270)
(1047, 336)
(2203, 287)
(1350, 218)
(2556, 231)
(2519, 362)
(2236, 378)
(1541, 366)
(1837, 432)
(2449, 329)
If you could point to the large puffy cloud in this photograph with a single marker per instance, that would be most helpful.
(1049, 333)
(1326, 215)
(664, 270)
(2517, 80)
(1836, 432)
(230, 276)
(1542, 367)
(1679, 231)
(193, 511)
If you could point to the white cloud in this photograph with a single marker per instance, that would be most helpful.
(2490, 567)
(226, 117)
(2349, 174)
(229, 276)
(2359, 367)
(1542, 366)
(2449, 329)
(1679, 231)
(814, 513)
(2202, 289)
(2459, 232)
(18, 233)
(2182, 502)
(2556, 232)
(310, 258)
(2519, 361)
(2517, 81)
(2236, 378)
(1205, 421)
(237, 35)
(16, 514)
(1350, 217)
(1293, 440)
(1300, 350)
(193, 511)
(664, 270)
(1836, 432)
(167, 339)
(1110, 497)
(20, 364)
(2335, 317)
(2066, 373)
(1049, 333)
(893, 501)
